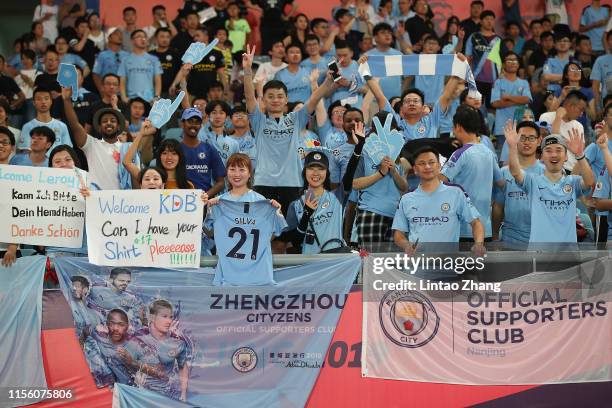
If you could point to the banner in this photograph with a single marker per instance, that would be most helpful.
(173, 333)
(22, 376)
(161, 228)
(41, 206)
(529, 330)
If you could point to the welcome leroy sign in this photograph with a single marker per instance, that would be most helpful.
(145, 228)
(41, 206)
(534, 330)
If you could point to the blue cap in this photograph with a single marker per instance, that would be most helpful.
(191, 113)
(545, 125)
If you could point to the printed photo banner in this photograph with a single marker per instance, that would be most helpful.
(161, 228)
(41, 206)
(542, 328)
(172, 333)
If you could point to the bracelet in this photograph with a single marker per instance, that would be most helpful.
(580, 158)
(381, 173)
(356, 155)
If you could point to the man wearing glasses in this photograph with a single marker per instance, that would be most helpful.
(553, 69)
(511, 203)
(109, 60)
(509, 92)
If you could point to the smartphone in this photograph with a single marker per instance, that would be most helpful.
(335, 69)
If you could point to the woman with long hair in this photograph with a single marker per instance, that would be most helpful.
(573, 78)
(298, 31)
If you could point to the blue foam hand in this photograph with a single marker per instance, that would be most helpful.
(197, 51)
(393, 138)
(68, 77)
(375, 148)
(163, 109)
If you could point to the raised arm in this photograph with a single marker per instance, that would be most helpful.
(79, 133)
(575, 144)
(374, 86)
(317, 95)
(249, 86)
(512, 138)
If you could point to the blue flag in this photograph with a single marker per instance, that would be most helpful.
(21, 362)
(68, 77)
(173, 333)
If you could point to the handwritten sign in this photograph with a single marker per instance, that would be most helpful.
(160, 228)
(43, 206)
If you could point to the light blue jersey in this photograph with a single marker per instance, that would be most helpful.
(330, 136)
(108, 62)
(474, 167)
(517, 209)
(140, 72)
(246, 145)
(553, 207)
(74, 60)
(23, 159)
(554, 65)
(602, 72)
(349, 95)
(103, 299)
(247, 197)
(431, 85)
(603, 191)
(381, 197)
(446, 122)
(598, 164)
(110, 354)
(277, 141)
(225, 144)
(298, 84)
(326, 220)
(591, 15)
(435, 216)
(501, 87)
(169, 354)
(242, 234)
(391, 85)
(62, 136)
(426, 127)
(309, 66)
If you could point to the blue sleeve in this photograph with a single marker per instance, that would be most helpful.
(158, 67)
(302, 117)
(97, 68)
(279, 222)
(436, 115)
(218, 169)
(80, 62)
(497, 174)
(496, 92)
(577, 182)
(324, 131)
(596, 72)
(602, 187)
(256, 118)
(526, 90)
(584, 18)
(591, 153)
(400, 221)
(453, 166)
(122, 69)
(466, 211)
(209, 221)
(499, 195)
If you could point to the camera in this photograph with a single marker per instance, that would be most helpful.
(309, 238)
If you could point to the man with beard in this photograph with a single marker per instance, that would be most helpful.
(115, 295)
(204, 165)
(85, 318)
(102, 155)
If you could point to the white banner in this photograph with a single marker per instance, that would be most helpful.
(160, 228)
(41, 206)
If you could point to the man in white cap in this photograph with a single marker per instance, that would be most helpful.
(108, 61)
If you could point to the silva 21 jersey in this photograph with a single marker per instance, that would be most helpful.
(242, 233)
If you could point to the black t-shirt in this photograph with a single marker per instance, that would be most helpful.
(83, 107)
(204, 73)
(8, 88)
(416, 28)
(538, 58)
(218, 22)
(88, 53)
(273, 10)
(48, 81)
(181, 42)
(171, 64)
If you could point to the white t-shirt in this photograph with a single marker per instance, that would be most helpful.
(49, 25)
(99, 40)
(266, 72)
(557, 7)
(104, 160)
(564, 130)
(25, 88)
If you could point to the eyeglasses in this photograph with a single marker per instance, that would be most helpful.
(5, 142)
(574, 69)
(512, 61)
(528, 138)
(430, 163)
(412, 101)
(240, 115)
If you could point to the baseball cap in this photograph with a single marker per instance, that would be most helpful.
(553, 139)
(544, 125)
(191, 113)
(316, 159)
(110, 32)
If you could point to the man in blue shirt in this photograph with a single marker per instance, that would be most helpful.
(511, 204)
(593, 21)
(383, 35)
(42, 104)
(109, 60)
(473, 166)
(601, 74)
(349, 89)
(41, 140)
(434, 212)
(431, 85)
(277, 136)
(205, 168)
(61, 46)
(553, 69)
(509, 92)
(293, 76)
(140, 72)
(314, 60)
(553, 194)
(214, 131)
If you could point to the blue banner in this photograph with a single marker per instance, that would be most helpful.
(173, 333)
(21, 362)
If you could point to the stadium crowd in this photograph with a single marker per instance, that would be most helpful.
(523, 159)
